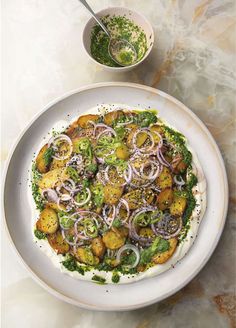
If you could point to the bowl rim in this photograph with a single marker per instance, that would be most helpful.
(31, 272)
(121, 68)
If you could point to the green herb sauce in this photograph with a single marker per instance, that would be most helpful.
(36, 176)
(119, 27)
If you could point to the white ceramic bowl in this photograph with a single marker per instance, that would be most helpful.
(137, 18)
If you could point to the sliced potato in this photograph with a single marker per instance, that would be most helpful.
(55, 207)
(122, 152)
(160, 258)
(56, 164)
(165, 199)
(112, 194)
(140, 139)
(138, 197)
(122, 231)
(157, 128)
(98, 247)
(146, 232)
(181, 167)
(178, 206)
(83, 120)
(53, 178)
(164, 180)
(48, 221)
(110, 117)
(57, 242)
(41, 164)
(85, 255)
(113, 240)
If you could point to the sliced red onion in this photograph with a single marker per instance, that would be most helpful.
(59, 200)
(125, 203)
(126, 248)
(109, 219)
(143, 149)
(75, 161)
(180, 182)
(161, 158)
(161, 227)
(50, 194)
(106, 174)
(60, 137)
(108, 130)
(68, 188)
(128, 174)
(153, 174)
(84, 201)
(132, 231)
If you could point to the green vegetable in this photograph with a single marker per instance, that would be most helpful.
(92, 168)
(180, 142)
(117, 223)
(72, 173)
(90, 228)
(85, 183)
(47, 156)
(36, 176)
(83, 146)
(120, 133)
(65, 221)
(71, 265)
(113, 160)
(99, 279)
(159, 245)
(115, 277)
(192, 181)
(40, 235)
(145, 119)
(81, 196)
(143, 219)
(97, 194)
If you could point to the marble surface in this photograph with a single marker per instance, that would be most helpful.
(194, 60)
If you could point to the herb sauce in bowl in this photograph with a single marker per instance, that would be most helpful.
(119, 27)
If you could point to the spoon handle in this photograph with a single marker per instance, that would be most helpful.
(95, 17)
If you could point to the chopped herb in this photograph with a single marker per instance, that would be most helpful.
(36, 176)
(47, 156)
(99, 279)
(98, 194)
(71, 265)
(40, 235)
(72, 173)
(115, 277)
(145, 119)
(117, 223)
(159, 245)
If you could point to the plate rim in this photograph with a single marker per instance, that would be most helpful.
(163, 94)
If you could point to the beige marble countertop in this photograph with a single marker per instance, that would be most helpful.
(194, 60)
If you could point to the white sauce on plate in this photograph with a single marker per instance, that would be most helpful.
(199, 193)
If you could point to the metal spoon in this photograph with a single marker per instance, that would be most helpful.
(118, 48)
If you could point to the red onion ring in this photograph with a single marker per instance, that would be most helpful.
(132, 248)
(143, 149)
(109, 220)
(161, 227)
(51, 195)
(84, 201)
(58, 138)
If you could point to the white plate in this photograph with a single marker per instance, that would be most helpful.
(17, 208)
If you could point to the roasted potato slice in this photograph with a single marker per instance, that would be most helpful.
(112, 194)
(122, 152)
(53, 178)
(160, 258)
(140, 139)
(138, 197)
(165, 199)
(164, 180)
(85, 255)
(56, 164)
(41, 163)
(178, 206)
(57, 242)
(55, 207)
(110, 117)
(146, 232)
(98, 247)
(113, 240)
(48, 221)
(83, 120)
